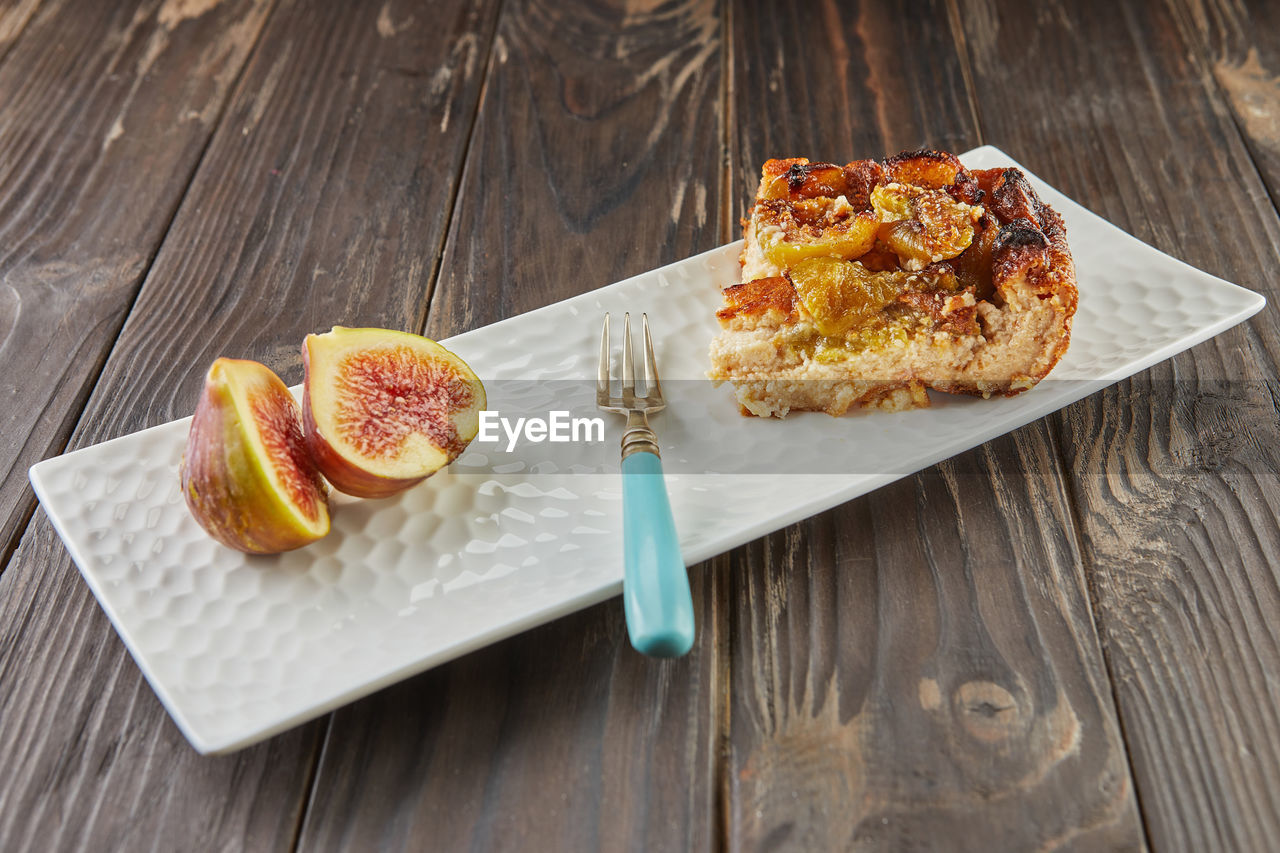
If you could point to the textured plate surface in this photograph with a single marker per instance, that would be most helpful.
(239, 648)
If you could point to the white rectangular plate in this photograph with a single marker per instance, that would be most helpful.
(239, 648)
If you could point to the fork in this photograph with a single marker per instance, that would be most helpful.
(655, 584)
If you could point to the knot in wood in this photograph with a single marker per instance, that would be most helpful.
(988, 711)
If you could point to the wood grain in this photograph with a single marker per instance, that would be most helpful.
(842, 83)
(918, 668)
(91, 760)
(596, 155)
(1173, 473)
(14, 16)
(1241, 45)
(563, 738)
(106, 110)
(305, 212)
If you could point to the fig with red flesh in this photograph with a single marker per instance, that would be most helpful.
(383, 410)
(246, 474)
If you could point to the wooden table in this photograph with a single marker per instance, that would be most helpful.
(1067, 638)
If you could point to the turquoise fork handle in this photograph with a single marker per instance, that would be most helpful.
(655, 588)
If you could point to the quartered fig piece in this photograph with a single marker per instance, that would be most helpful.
(246, 473)
(383, 410)
(795, 231)
(843, 295)
(923, 226)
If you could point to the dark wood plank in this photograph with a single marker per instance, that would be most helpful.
(918, 668)
(560, 739)
(14, 16)
(1241, 42)
(597, 154)
(597, 157)
(91, 760)
(831, 81)
(323, 198)
(1173, 473)
(106, 110)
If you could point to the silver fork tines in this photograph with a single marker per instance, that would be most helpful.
(637, 437)
(628, 368)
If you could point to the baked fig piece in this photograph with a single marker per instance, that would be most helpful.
(246, 473)
(383, 410)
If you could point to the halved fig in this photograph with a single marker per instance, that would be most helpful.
(383, 410)
(843, 295)
(246, 474)
(814, 229)
(923, 226)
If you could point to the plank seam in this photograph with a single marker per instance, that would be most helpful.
(728, 116)
(67, 428)
(17, 37)
(69, 423)
(19, 532)
(313, 775)
(1074, 507)
(1200, 56)
(76, 413)
(1214, 89)
(966, 67)
(1072, 503)
(433, 280)
(722, 820)
(1249, 149)
(317, 760)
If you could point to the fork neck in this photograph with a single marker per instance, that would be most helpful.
(638, 438)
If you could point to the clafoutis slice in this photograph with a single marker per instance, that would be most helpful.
(384, 410)
(246, 473)
(864, 285)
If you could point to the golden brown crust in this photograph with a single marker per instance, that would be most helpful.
(774, 297)
(983, 304)
(924, 168)
(796, 178)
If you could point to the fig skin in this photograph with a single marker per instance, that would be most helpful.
(225, 470)
(418, 454)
